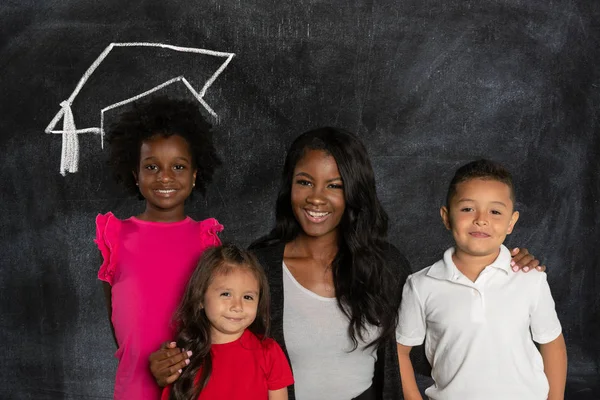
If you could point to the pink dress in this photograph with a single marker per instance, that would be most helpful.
(148, 265)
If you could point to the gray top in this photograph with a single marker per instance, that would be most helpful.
(316, 335)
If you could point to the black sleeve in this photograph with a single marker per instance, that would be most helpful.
(400, 269)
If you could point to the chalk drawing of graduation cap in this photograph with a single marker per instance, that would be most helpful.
(70, 144)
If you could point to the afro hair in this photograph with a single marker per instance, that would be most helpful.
(161, 116)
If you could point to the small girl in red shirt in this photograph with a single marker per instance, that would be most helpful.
(224, 320)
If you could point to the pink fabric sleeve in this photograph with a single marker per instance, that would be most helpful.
(107, 234)
(208, 232)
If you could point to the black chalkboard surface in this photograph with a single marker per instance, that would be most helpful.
(428, 85)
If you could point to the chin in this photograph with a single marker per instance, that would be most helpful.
(313, 233)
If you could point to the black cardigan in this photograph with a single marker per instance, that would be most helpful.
(387, 372)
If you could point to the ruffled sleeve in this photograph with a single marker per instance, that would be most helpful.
(208, 232)
(107, 234)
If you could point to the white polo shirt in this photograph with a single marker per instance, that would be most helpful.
(478, 335)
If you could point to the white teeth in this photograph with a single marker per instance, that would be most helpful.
(315, 214)
(166, 191)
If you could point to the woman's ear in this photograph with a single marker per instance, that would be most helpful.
(135, 176)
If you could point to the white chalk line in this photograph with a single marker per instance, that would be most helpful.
(70, 147)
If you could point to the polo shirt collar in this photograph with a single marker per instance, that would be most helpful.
(446, 269)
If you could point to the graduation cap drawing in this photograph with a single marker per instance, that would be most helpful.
(70, 144)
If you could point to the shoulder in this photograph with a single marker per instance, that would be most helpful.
(269, 345)
(107, 228)
(273, 362)
(270, 256)
(423, 278)
(264, 345)
(396, 263)
(102, 220)
(424, 273)
(208, 230)
(210, 224)
(421, 285)
(532, 280)
(394, 257)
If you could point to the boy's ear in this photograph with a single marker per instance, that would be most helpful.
(445, 217)
(513, 221)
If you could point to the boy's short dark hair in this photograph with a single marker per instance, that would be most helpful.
(481, 169)
(163, 116)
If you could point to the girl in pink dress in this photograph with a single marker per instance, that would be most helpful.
(162, 150)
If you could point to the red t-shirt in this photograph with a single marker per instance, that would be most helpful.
(246, 368)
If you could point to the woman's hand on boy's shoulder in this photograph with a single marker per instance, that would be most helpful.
(167, 363)
(524, 261)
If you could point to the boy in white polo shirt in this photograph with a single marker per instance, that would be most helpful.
(479, 320)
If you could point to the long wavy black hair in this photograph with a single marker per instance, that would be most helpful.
(193, 324)
(362, 280)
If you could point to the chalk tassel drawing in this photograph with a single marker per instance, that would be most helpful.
(69, 160)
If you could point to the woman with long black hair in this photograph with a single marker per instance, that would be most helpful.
(335, 280)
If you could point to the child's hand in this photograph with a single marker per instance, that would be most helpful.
(166, 364)
(522, 260)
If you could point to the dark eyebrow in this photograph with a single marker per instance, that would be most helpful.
(339, 178)
(493, 202)
(176, 158)
(304, 174)
(225, 288)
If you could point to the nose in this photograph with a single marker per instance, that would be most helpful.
(165, 175)
(481, 219)
(316, 197)
(236, 305)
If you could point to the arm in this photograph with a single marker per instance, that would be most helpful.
(167, 363)
(554, 355)
(522, 260)
(546, 330)
(108, 298)
(407, 374)
(281, 394)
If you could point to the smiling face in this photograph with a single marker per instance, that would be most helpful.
(480, 215)
(318, 194)
(230, 303)
(165, 177)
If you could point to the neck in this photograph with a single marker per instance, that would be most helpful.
(154, 214)
(217, 337)
(471, 265)
(323, 248)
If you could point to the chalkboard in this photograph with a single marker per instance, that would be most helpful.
(428, 85)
